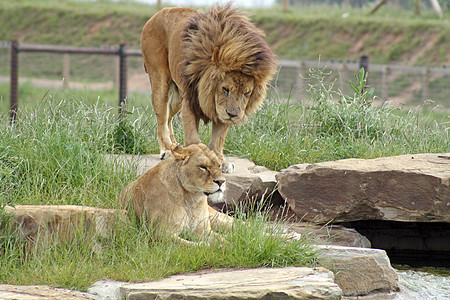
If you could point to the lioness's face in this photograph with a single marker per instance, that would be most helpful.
(232, 96)
(201, 173)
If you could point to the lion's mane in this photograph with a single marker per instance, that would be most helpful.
(220, 40)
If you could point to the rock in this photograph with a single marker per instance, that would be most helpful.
(411, 188)
(359, 271)
(249, 183)
(47, 220)
(106, 289)
(35, 292)
(331, 235)
(261, 283)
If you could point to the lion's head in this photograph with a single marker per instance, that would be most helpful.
(227, 65)
(199, 171)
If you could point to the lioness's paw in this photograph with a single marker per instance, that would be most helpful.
(165, 154)
(228, 167)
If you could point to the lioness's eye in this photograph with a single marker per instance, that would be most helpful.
(203, 168)
(226, 90)
(247, 93)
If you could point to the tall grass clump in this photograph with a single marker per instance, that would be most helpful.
(329, 125)
(55, 153)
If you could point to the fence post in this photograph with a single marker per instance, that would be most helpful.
(14, 78)
(122, 77)
(384, 83)
(66, 70)
(425, 74)
(364, 63)
(299, 83)
(344, 69)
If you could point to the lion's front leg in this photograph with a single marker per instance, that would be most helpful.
(160, 98)
(218, 134)
(190, 125)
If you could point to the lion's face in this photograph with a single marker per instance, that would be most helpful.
(232, 96)
(200, 171)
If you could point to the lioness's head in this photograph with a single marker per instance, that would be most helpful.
(199, 171)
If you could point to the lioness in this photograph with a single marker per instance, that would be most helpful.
(217, 61)
(172, 195)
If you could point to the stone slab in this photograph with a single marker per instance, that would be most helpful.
(405, 188)
(261, 283)
(38, 292)
(29, 220)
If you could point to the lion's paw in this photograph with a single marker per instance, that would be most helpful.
(228, 167)
(165, 154)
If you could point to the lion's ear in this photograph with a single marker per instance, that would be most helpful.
(215, 56)
(256, 99)
(178, 152)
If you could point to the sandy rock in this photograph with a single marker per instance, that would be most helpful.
(38, 292)
(331, 235)
(47, 220)
(411, 188)
(360, 271)
(261, 283)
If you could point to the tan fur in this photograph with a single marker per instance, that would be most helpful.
(172, 195)
(217, 60)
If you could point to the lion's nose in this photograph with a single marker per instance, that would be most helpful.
(233, 112)
(219, 182)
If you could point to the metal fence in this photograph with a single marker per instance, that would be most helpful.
(398, 84)
(15, 48)
(395, 83)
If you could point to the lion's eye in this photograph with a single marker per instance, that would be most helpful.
(227, 91)
(247, 93)
(204, 168)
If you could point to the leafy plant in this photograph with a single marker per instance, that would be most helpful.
(362, 94)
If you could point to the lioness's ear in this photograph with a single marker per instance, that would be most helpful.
(178, 152)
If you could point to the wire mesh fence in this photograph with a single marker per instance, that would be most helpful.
(395, 83)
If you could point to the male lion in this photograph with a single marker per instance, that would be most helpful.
(217, 61)
(172, 195)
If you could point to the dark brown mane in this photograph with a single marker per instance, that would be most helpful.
(220, 40)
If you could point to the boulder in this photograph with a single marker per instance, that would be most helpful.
(359, 271)
(261, 283)
(46, 220)
(35, 292)
(409, 188)
(249, 183)
(330, 235)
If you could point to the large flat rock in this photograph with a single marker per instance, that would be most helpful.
(261, 283)
(409, 188)
(29, 221)
(39, 292)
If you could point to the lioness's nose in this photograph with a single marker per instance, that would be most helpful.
(233, 112)
(219, 181)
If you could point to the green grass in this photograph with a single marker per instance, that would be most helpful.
(133, 254)
(31, 97)
(55, 154)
